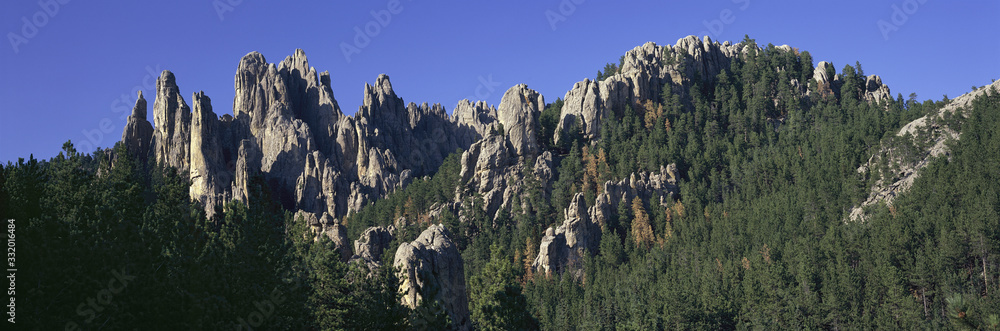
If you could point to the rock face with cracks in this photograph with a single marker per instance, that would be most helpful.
(172, 120)
(138, 133)
(288, 129)
(372, 243)
(431, 268)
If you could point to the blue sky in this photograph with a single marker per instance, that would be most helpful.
(70, 73)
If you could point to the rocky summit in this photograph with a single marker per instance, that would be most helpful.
(287, 127)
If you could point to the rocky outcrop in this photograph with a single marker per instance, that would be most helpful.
(662, 185)
(647, 69)
(904, 168)
(430, 268)
(825, 73)
(583, 109)
(372, 243)
(826, 78)
(875, 91)
(247, 167)
(337, 233)
(418, 136)
(693, 58)
(172, 119)
(518, 115)
(544, 172)
(288, 129)
(209, 175)
(643, 73)
(563, 248)
(487, 167)
(473, 121)
(138, 133)
(493, 166)
(828, 82)
(317, 186)
(326, 226)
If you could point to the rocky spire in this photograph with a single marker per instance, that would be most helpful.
(518, 114)
(209, 176)
(138, 131)
(172, 118)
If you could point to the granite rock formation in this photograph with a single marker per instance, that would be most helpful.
(172, 122)
(562, 248)
(372, 243)
(288, 129)
(138, 133)
(431, 267)
(903, 168)
(493, 166)
(644, 72)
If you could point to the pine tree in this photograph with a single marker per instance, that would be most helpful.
(496, 302)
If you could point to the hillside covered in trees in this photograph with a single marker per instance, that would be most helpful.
(694, 186)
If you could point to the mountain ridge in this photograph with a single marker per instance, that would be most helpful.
(288, 111)
(325, 166)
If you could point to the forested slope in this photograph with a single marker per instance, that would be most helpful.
(720, 202)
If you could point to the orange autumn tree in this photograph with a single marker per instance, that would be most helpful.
(653, 112)
(641, 229)
(595, 171)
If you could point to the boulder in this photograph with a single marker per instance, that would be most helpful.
(372, 243)
(430, 267)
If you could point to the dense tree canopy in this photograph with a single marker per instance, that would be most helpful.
(758, 237)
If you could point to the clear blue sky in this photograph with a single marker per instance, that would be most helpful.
(65, 77)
